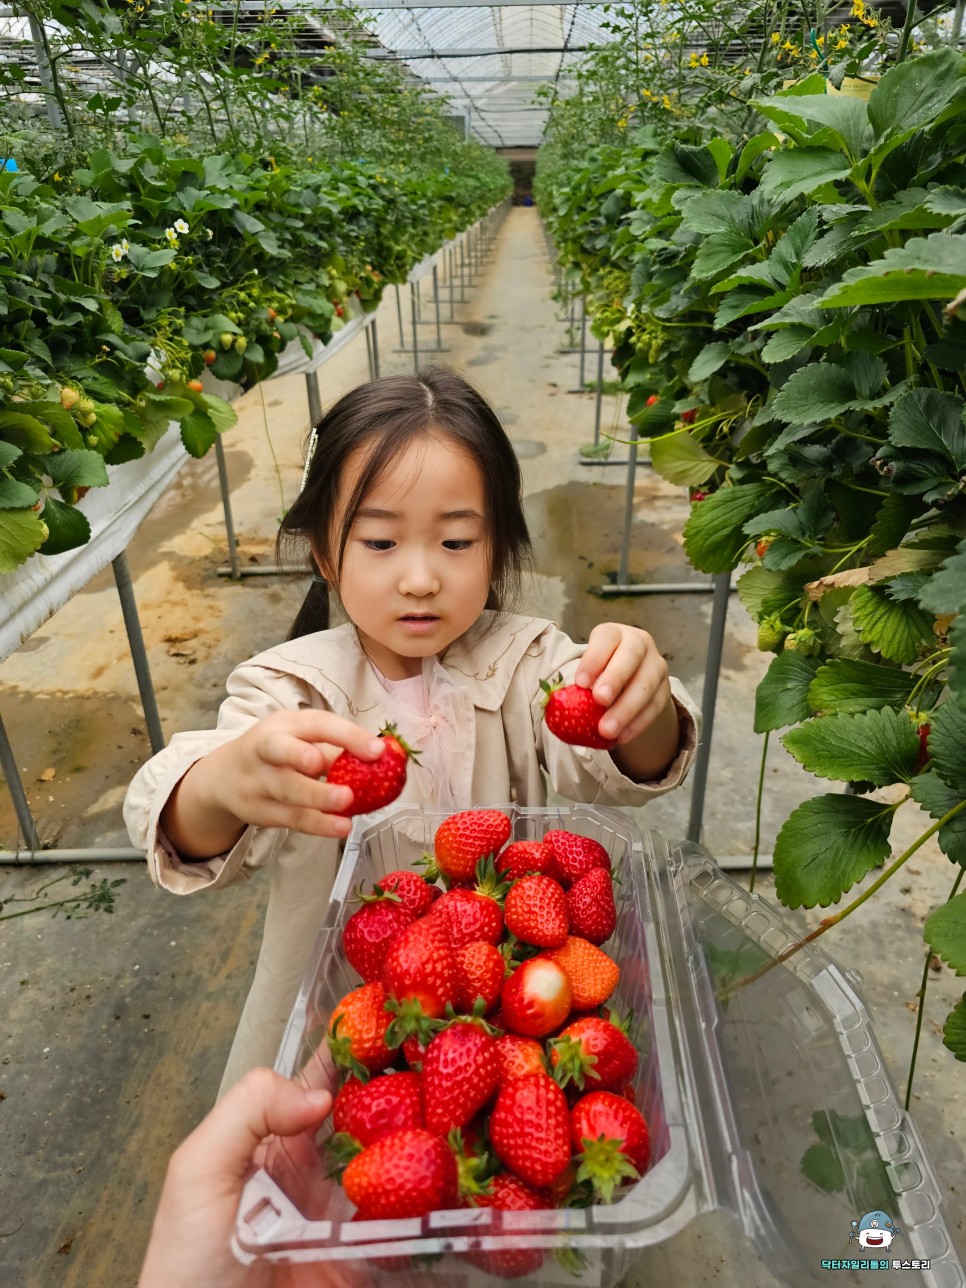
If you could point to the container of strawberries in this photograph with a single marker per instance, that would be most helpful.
(540, 1064)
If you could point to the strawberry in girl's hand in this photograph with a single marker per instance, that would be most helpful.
(357, 1032)
(590, 906)
(408, 1173)
(573, 714)
(536, 999)
(536, 911)
(530, 1128)
(460, 1074)
(480, 972)
(374, 783)
(367, 1111)
(509, 1193)
(612, 1136)
(414, 893)
(575, 855)
(522, 857)
(593, 1053)
(370, 932)
(593, 975)
(518, 1056)
(465, 838)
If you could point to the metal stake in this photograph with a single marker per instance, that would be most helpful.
(125, 590)
(226, 506)
(15, 787)
(375, 346)
(314, 394)
(719, 613)
(622, 572)
(412, 300)
(402, 334)
(439, 337)
(600, 391)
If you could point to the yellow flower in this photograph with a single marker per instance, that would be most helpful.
(776, 37)
(666, 103)
(58, 177)
(841, 44)
(704, 60)
(747, 71)
(858, 8)
(622, 124)
(693, 60)
(788, 47)
(844, 29)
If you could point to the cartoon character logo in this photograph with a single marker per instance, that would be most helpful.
(875, 1230)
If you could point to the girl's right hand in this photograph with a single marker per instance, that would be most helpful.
(273, 775)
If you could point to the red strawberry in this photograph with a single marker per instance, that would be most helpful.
(689, 416)
(508, 1193)
(696, 495)
(480, 972)
(576, 855)
(593, 975)
(370, 932)
(536, 911)
(593, 1053)
(357, 1031)
(652, 399)
(374, 783)
(414, 893)
(408, 1173)
(612, 1136)
(420, 967)
(370, 1110)
(923, 732)
(465, 838)
(518, 1055)
(471, 915)
(521, 857)
(530, 1128)
(590, 906)
(762, 547)
(536, 999)
(460, 1074)
(573, 714)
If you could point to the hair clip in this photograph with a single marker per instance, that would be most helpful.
(318, 579)
(310, 452)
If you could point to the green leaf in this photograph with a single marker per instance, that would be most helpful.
(20, 535)
(822, 1166)
(781, 698)
(891, 523)
(681, 459)
(847, 117)
(198, 433)
(223, 416)
(826, 845)
(796, 171)
(713, 535)
(77, 469)
(15, 495)
(721, 211)
(880, 747)
(924, 268)
(945, 591)
(26, 432)
(68, 527)
(708, 361)
(947, 745)
(937, 799)
(814, 393)
(753, 149)
(763, 590)
(897, 631)
(847, 685)
(718, 252)
(945, 932)
(932, 421)
(954, 1030)
(915, 92)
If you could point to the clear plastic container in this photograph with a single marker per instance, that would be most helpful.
(774, 1124)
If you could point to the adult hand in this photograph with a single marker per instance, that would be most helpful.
(190, 1240)
(625, 671)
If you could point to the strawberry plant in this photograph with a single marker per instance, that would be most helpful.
(788, 280)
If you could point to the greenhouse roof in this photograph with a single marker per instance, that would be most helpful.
(488, 60)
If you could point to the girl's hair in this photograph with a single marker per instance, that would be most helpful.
(385, 416)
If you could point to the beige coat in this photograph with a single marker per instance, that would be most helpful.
(486, 688)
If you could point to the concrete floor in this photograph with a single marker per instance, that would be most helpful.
(114, 1030)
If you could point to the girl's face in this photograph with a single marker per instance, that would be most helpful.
(416, 569)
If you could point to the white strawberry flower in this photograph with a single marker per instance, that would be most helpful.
(118, 251)
(181, 227)
(172, 236)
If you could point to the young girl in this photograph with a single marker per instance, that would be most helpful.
(412, 514)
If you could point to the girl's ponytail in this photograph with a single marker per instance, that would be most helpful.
(314, 613)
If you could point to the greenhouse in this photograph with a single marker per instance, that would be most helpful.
(482, 501)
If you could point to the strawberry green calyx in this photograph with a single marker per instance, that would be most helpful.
(549, 686)
(389, 731)
(472, 1164)
(573, 1063)
(429, 870)
(341, 1149)
(476, 1016)
(341, 1049)
(489, 882)
(411, 1022)
(605, 1166)
(804, 641)
(375, 895)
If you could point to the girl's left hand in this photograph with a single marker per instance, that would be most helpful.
(624, 669)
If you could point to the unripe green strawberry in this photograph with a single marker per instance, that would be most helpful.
(771, 633)
(226, 339)
(803, 641)
(85, 407)
(44, 531)
(91, 439)
(241, 344)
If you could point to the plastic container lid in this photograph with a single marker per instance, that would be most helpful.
(774, 1124)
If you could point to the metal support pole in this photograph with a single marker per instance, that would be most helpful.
(462, 270)
(226, 506)
(452, 282)
(125, 590)
(600, 391)
(369, 352)
(314, 394)
(439, 336)
(54, 115)
(412, 300)
(375, 346)
(581, 380)
(622, 571)
(402, 334)
(699, 780)
(35, 857)
(16, 789)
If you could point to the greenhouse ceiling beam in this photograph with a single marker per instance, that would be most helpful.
(534, 79)
(413, 55)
